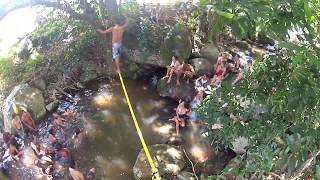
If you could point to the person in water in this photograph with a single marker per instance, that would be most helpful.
(117, 35)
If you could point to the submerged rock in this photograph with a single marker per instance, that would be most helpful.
(202, 66)
(183, 91)
(211, 53)
(169, 160)
(177, 42)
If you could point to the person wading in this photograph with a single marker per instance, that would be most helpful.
(117, 36)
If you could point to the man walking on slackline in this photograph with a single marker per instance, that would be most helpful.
(117, 34)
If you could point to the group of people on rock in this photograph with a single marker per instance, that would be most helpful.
(52, 154)
(185, 70)
(240, 63)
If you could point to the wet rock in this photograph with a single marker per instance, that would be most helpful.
(184, 175)
(211, 53)
(177, 42)
(202, 66)
(169, 160)
(89, 73)
(242, 45)
(183, 91)
(140, 57)
(39, 83)
(52, 106)
(24, 95)
(33, 99)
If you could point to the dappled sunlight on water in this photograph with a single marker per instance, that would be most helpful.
(112, 144)
(199, 153)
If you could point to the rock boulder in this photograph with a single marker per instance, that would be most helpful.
(183, 91)
(202, 66)
(177, 42)
(169, 159)
(210, 52)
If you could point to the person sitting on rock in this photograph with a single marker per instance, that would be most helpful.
(179, 122)
(17, 125)
(174, 68)
(188, 71)
(182, 110)
(220, 72)
(13, 148)
(243, 72)
(222, 57)
(201, 86)
(27, 120)
(58, 121)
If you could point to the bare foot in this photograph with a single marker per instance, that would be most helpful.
(178, 83)
(169, 81)
(165, 77)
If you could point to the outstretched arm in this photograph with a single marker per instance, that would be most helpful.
(126, 22)
(105, 31)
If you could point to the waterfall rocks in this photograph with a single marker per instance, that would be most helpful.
(202, 66)
(24, 95)
(183, 91)
(210, 52)
(168, 158)
(177, 42)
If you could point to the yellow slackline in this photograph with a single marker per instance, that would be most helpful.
(145, 148)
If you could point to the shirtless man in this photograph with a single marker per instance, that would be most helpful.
(117, 35)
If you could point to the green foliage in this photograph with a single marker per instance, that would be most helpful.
(59, 45)
(149, 35)
(277, 104)
(131, 9)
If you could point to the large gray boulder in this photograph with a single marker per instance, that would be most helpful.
(24, 95)
(202, 66)
(143, 58)
(210, 52)
(177, 42)
(183, 91)
(168, 159)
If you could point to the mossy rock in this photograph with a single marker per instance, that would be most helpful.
(183, 91)
(210, 52)
(89, 73)
(177, 42)
(202, 66)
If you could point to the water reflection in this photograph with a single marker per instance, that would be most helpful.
(113, 144)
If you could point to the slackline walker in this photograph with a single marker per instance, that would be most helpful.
(155, 173)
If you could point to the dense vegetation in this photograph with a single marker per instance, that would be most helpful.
(284, 139)
(276, 106)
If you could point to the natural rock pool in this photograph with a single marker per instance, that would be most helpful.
(111, 144)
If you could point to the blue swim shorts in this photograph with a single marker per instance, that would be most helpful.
(116, 50)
